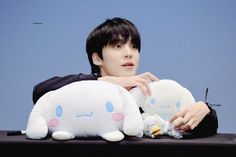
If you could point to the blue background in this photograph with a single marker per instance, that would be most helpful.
(190, 41)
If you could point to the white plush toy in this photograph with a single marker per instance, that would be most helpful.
(85, 109)
(167, 98)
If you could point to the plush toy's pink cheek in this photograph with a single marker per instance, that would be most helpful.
(53, 123)
(117, 116)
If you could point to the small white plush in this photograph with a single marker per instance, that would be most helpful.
(86, 109)
(167, 98)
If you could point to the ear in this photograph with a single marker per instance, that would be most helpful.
(96, 59)
(138, 95)
(133, 122)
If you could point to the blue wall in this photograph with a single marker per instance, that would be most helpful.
(191, 41)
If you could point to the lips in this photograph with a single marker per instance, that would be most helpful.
(128, 64)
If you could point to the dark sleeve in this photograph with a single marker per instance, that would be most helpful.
(57, 82)
(208, 126)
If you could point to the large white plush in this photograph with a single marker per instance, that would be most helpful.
(86, 109)
(167, 98)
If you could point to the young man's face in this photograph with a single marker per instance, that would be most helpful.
(119, 60)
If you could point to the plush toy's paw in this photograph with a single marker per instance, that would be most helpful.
(151, 127)
(156, 131)
(62, 135)
(113, 136)
(140, 135)
(174, 133)
(153, 132)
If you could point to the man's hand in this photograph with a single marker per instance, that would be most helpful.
(191, 115)
(142, 81)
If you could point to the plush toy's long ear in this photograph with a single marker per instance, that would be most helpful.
(37, 126)
(133, 122)
(138, 96)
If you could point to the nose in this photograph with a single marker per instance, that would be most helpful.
(128, 56)
(128, 52)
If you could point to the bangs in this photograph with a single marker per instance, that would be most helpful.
(121, 34)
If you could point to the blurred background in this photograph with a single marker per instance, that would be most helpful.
(190, 41)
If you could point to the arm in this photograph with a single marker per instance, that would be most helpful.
(199, 120)
(142, 81)
(208, 126)
(57, 82)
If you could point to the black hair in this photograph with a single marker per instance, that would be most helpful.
(111, 32)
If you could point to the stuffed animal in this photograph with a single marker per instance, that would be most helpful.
(86, 109)
(167, 98)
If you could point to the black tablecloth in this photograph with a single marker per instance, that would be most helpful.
(219, 144)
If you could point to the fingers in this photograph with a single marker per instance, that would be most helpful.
(149, 76)
(142, 81)
(145, 79)
(181, 114)
(142, 88)
(153, 77)
(193, 116)
(178, 122)
(143, 85)
(147, 86)
(187, 126)
(183, 121)
(173, 118)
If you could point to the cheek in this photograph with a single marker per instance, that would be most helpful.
(53, 123)
(111, 66)
(117, 116)
(137, 57)
(110, 61)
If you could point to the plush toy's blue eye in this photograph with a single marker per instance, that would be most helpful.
(109, 106)
(153, 102)
(59, 111)
(178, 105)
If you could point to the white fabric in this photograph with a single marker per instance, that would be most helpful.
(83, 109)
(167, 98)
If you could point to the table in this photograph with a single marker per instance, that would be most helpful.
(219, 144)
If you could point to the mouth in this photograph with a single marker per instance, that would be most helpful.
(165, 106)
(128, 64)
(88, 114)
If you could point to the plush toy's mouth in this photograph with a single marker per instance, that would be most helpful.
(165, 106)
(88, 114)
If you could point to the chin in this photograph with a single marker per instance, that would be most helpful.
(127, 74)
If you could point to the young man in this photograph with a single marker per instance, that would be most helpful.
(113, 50)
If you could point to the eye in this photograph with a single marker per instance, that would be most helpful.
(109, 106)
(135, 46)
(153, 102)
(59, 111)
(178, 105)
(118, 46)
